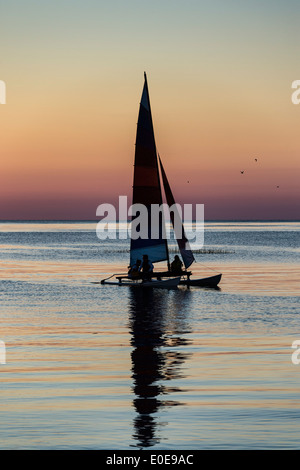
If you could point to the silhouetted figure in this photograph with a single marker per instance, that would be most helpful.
(134, 271)
(146, 268)
(176, 265)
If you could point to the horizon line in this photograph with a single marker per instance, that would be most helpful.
(193, 220)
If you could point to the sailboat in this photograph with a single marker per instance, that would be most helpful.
(149, 177)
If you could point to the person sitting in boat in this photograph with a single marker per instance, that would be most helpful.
(146, 268)
(134, 271)
(176, 265)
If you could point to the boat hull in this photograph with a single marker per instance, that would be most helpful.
(212, 281)
(166, 284)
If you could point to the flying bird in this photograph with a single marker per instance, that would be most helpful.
(255, 159)
(242, 172)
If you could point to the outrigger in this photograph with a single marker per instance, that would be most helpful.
(148, 173)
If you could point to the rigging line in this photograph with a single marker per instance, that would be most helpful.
(208, 267)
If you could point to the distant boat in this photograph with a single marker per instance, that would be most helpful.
(147, 191)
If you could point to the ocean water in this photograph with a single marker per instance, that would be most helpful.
(91, 366)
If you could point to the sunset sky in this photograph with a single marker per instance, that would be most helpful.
(219, 75)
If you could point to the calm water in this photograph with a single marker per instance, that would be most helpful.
(106, 367)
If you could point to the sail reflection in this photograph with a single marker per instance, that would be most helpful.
(157, 321)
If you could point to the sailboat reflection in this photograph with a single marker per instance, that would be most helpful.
(157, 321)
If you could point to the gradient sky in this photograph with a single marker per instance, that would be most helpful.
(219, 75)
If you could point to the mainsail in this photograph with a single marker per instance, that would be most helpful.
(183, 244)
(146, 186)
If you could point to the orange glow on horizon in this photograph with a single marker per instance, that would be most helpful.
(68, 126)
